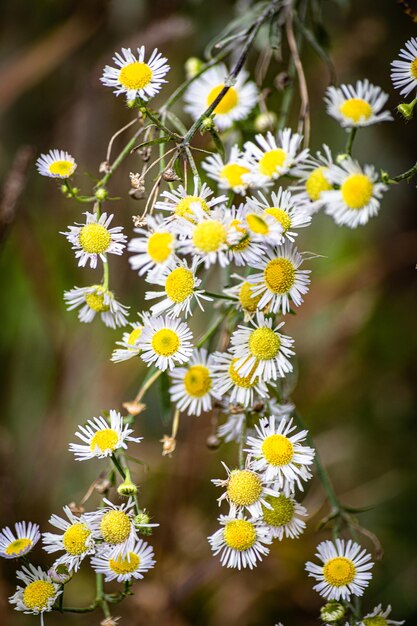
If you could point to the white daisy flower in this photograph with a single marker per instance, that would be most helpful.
(135, 77)
(178, 202)
(279, 455)
(359, 105)
(280, 282)
(77, 539)
(404, 72)
(262, 350)
(358, 196)
(236, 104)
(206, 236)
(272, 158)
(283, 518)
(180, 284)
(230, 174)
(231, 430)
(139, 561)
(245, 300)
(95, 239)
(245, 489)
(154, 248)
(56, 164)
(344, 570)
(285, 210)
(165, 342)
(313, 180)
(263, 228)
(192, 386)
(14, 546)
(96, 299)
(101, 438)
(129, 343)
(115, 526)
(243, 248)
(241, 542)
(226, 380)
(378, 617)
(38, 594)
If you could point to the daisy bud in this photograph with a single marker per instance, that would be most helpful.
(101, 194)
(212, 442)
(127, 488)
(60, 574)
(341, 157)
(192, 66)
(332, 612)
(207, 124)
(170, 176)
(406, 110)
(265, 121)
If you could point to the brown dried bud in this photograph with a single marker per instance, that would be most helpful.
(75, 508)
(110, 621)
(282, 80)
(169, 175)
(258, 406)
(235, 409)
(102, 485)
(212, 442)
(104, 167)
(168, 445)
(135, 180)
(134, 408)
(137, 194)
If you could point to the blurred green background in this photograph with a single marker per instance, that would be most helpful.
(355, 335)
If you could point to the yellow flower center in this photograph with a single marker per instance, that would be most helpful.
(159, 246)
(18, 546)
(115, 527)
(413, 68)
(197, 381)
(95, 301)
(277, 450)
(165, 342)
(271, 161)
(125, 565)
(134, 336)
(244, 241)
(94, 238)
(281, 216)
(179, 285)
(279, 275)
(378, 620)
(356, 109)
(247, 300)
(106, 439)
(242, 381)
(183, 208)
(135, 75)
(339, 571)
(38, 594)
(209, 235)
(264, 343)
(227, 103)
(239, 534)
(257, 224)
(75, 538)
(316, 183)
(281, 513)
(357, 191)
(62, 168)
(232, 173)
(244, 487)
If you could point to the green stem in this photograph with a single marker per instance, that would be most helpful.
(220, 296)
(105, 274)
(118, 466)
(242, 442)
(405, 175)
(160, 124)
(350, 140)
(211, 330)
(119, 159)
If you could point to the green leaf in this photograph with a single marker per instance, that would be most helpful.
(165, 398)
(177, 123)
(218, 142)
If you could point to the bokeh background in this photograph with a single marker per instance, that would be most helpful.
(355, 335)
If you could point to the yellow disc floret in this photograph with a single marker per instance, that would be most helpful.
(126, 565)
(316, 183)
(18, 546)
(271, 161)
(165, 342)
(281, 216)
(179, 284)
(106, 439)
(197, 381)
(378, 620)
(95, 300)
(264, 343)
(94, 238)
(279, 275)
(357, 191)
(64, 169)
(135, 75)
(184, 208)
(75, 538)
(247, 300)
(245, 382)
(356, 109)
(135, 335)
(257, 224)
(38, 595)
(209, 236)
(244, 487)
(239, 534)
(277, 450)
(232, 173)
(159, 246)
(227, 103)
(244, 239)
(281, 513)
(413, 68)
(339, 571)
(115, 527)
